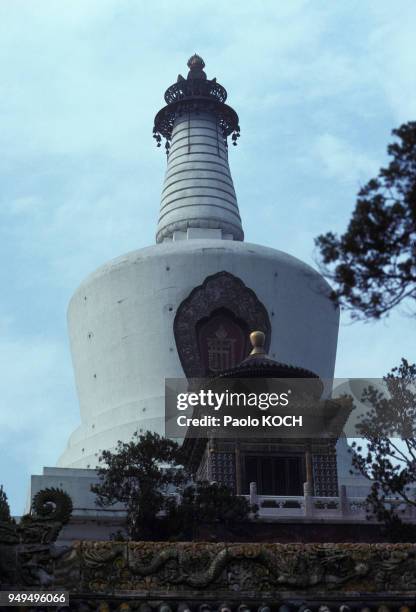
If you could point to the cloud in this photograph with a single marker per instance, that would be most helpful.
(392, 48)
(37, 399)
(25, 205)
(339, 160)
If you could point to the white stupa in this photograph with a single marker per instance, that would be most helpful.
(121, 318)
(185, 305)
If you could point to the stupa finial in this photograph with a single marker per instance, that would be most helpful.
(196, 62)
(196, 93)
(196, 67)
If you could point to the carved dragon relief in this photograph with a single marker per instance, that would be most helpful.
(188, 569)
(264, 568)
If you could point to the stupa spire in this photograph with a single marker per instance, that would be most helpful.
(198, 197)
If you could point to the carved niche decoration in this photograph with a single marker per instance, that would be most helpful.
(212, 325)
(222, 341)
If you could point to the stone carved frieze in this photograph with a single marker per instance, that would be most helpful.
(219, 291)
(186, 568)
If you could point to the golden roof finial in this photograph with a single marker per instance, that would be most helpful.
(258, 340)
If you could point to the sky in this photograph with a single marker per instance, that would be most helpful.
(318, 87)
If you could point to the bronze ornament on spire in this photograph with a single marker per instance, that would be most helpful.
(195, 93)
(196, 67)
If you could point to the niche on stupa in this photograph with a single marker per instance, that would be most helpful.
(213, 323)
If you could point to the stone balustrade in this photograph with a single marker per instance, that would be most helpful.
(318, 507)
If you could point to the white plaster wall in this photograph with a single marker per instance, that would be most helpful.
(88, 521)
(121, 330)
(77, 483)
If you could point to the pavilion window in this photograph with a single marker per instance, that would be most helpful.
(274, 475)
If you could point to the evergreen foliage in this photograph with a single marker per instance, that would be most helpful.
(388, 458)
(4, 507)
(373, 264)
(147, 476)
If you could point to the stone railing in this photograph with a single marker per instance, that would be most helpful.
(317, 507)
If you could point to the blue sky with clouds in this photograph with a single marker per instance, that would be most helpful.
(318, 87)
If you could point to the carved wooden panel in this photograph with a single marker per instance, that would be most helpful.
(325, 476)
(222, 468)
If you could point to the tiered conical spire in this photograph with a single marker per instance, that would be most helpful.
(198, 197)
